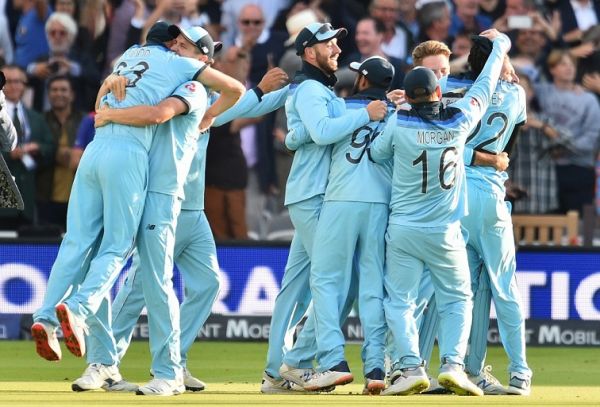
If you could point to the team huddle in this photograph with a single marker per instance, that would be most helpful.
(397, 199)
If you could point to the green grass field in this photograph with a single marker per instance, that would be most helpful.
(562, 377)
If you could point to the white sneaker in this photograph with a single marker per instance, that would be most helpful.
(270, 385)
(336, 376)
(296, 375)
(519, 384)
(411, 381)
(453, 378)
(120, 386)
(191, 383)
(161, 387)
(487, 382)
(46, 342)
(374, 382)
(94, 377)
(74, 329)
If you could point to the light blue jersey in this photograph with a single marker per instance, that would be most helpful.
(149, 82)
(493, 133)
(427, 146)
(316, 110)
(251, 105)
(353, 175)
(175, 142)
(195, 182)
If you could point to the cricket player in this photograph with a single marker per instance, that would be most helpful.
(424, 225)
(305, 187)
(490, 243)
(168, 185)
(435, 55)
(352, 228)
(122, 194)
(310, 110)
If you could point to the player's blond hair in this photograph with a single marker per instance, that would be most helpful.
(427, 49)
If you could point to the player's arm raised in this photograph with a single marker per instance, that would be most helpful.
(230, 89)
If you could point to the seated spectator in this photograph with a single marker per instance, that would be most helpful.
(54, 181)
(468, 17)
(63, 59)
(532, 170)
(369, 41)
(434, 21)
(570, 106)
(529, 53)
(30, 37)
(576, 17)
(34, 149)
(397, 38)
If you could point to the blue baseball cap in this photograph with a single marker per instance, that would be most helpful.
(376, 69)
(315, 33)
(419, 82)
(199, 37)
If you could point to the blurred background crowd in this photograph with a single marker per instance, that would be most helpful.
(54, 54)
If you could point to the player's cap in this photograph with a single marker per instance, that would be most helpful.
(377, 70)
(419, 82)
(297, 22)
(198, 36)
(315, 33)
(484, 44)
(159, 33)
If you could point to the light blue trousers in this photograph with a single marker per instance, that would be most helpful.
(346, 230)
(294, 297)
(442, 250)
(196, 258)
(105, 207)
(491, 250)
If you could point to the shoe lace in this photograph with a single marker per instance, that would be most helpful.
(488, 376)
(307, 374)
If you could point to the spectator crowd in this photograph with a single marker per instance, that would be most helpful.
(54, 54)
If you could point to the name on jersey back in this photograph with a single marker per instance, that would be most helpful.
(435, 137)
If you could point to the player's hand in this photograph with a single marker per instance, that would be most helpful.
(502, 161)
(490, 34)
(101, 118)
(116, 84)
(397, 97)
(508, 72)
(377, 110)
(274, 79)
(206, 122)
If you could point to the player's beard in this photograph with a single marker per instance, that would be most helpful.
(326, 64)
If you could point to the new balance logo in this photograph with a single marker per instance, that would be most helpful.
(151, 227)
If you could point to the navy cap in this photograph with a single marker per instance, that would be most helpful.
(159, 33)
(198, 36)
(419, 82)
(316, 33)
(376, 69)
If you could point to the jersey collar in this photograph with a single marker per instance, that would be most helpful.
(310, 71)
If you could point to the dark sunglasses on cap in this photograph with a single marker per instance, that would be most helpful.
(251, 22)
(322, 30)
